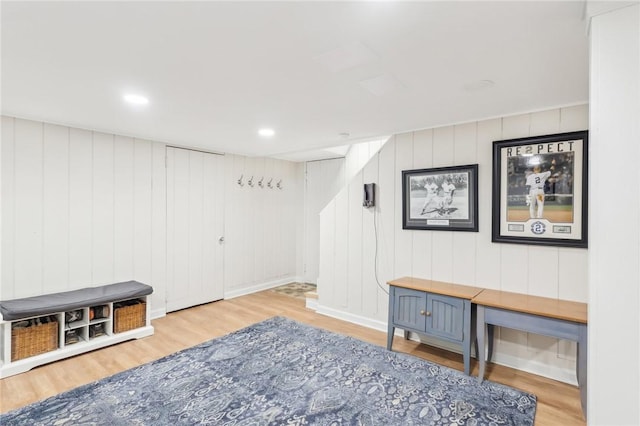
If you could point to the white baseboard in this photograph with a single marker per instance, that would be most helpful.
(356, 319)
(258, 287)
(158, 313)
(312, 303)
(161, 312)
(534, 367)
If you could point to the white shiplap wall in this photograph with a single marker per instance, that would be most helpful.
(323, 180)
(83, 208)
(79, 208)
(359, 154)
(347, 285)
(261, 224)
(614, 275)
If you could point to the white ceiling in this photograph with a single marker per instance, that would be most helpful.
(216, 72)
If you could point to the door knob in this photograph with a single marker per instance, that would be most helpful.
(425, 313)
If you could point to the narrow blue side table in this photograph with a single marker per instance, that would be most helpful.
(562, 319)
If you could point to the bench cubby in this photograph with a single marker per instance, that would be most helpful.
(38, 330)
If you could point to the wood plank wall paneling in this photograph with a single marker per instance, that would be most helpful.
(385, 216)
(422, 241)
(487, 255)
(260, 224)
(81, 215)
(103, 208)
(83, 208)
(354, 263)
(28, 196)
(259, 231)
(403, 254)
(327, 244)
(466, 258)
(341, 267)
(142, 255)
(614, 293)
(158, 225)
(323, 180)
(7, 289)
(123, 195)
(56, 207)
(370, 298)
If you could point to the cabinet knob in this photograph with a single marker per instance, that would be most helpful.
(425, 313)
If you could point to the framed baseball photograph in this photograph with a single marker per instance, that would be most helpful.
(540, 190)
(441, 199)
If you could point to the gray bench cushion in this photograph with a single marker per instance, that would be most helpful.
(69, 300)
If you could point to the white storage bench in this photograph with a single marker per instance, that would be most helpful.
(41, 329)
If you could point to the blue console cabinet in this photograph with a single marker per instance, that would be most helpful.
(433, 308)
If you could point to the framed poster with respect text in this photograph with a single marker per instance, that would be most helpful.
(540, 190)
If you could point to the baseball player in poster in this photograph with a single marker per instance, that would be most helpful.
(535, 182)
(432, 191)
(448, 189)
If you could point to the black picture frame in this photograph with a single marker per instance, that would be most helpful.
(440, 199)
(556, 164)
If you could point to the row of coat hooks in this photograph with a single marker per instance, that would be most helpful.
(260, 182)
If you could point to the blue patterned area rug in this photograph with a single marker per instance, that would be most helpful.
(280, 372)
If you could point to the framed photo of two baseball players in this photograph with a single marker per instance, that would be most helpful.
(440, 199)
(540, 190)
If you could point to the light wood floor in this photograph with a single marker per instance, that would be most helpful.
(558, 403)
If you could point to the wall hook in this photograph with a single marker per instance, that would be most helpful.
(240, 181)
(250, 181)
(269, 184)
(260, 182)
(279, 184)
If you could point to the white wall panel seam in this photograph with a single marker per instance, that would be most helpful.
(113, 205)
(202, 240)
(68, 215)
(13, 243)
(92, 213)
(500, 283)
(453, 245)
(42, 210)
(433, 137)
(133, 208)
(475, 251)
(413, 150)
(13, 206)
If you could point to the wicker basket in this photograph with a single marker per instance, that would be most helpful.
(33, 340)
(129, 315)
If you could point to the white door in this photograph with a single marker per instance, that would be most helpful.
(195, 202)
(324, 179)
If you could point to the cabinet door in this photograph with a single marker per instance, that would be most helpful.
(446, 315)
(406, 310)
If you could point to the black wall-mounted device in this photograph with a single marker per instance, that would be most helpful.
(369, 198)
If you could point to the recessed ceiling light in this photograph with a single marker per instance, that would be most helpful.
(136, 99)
(266, 133)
